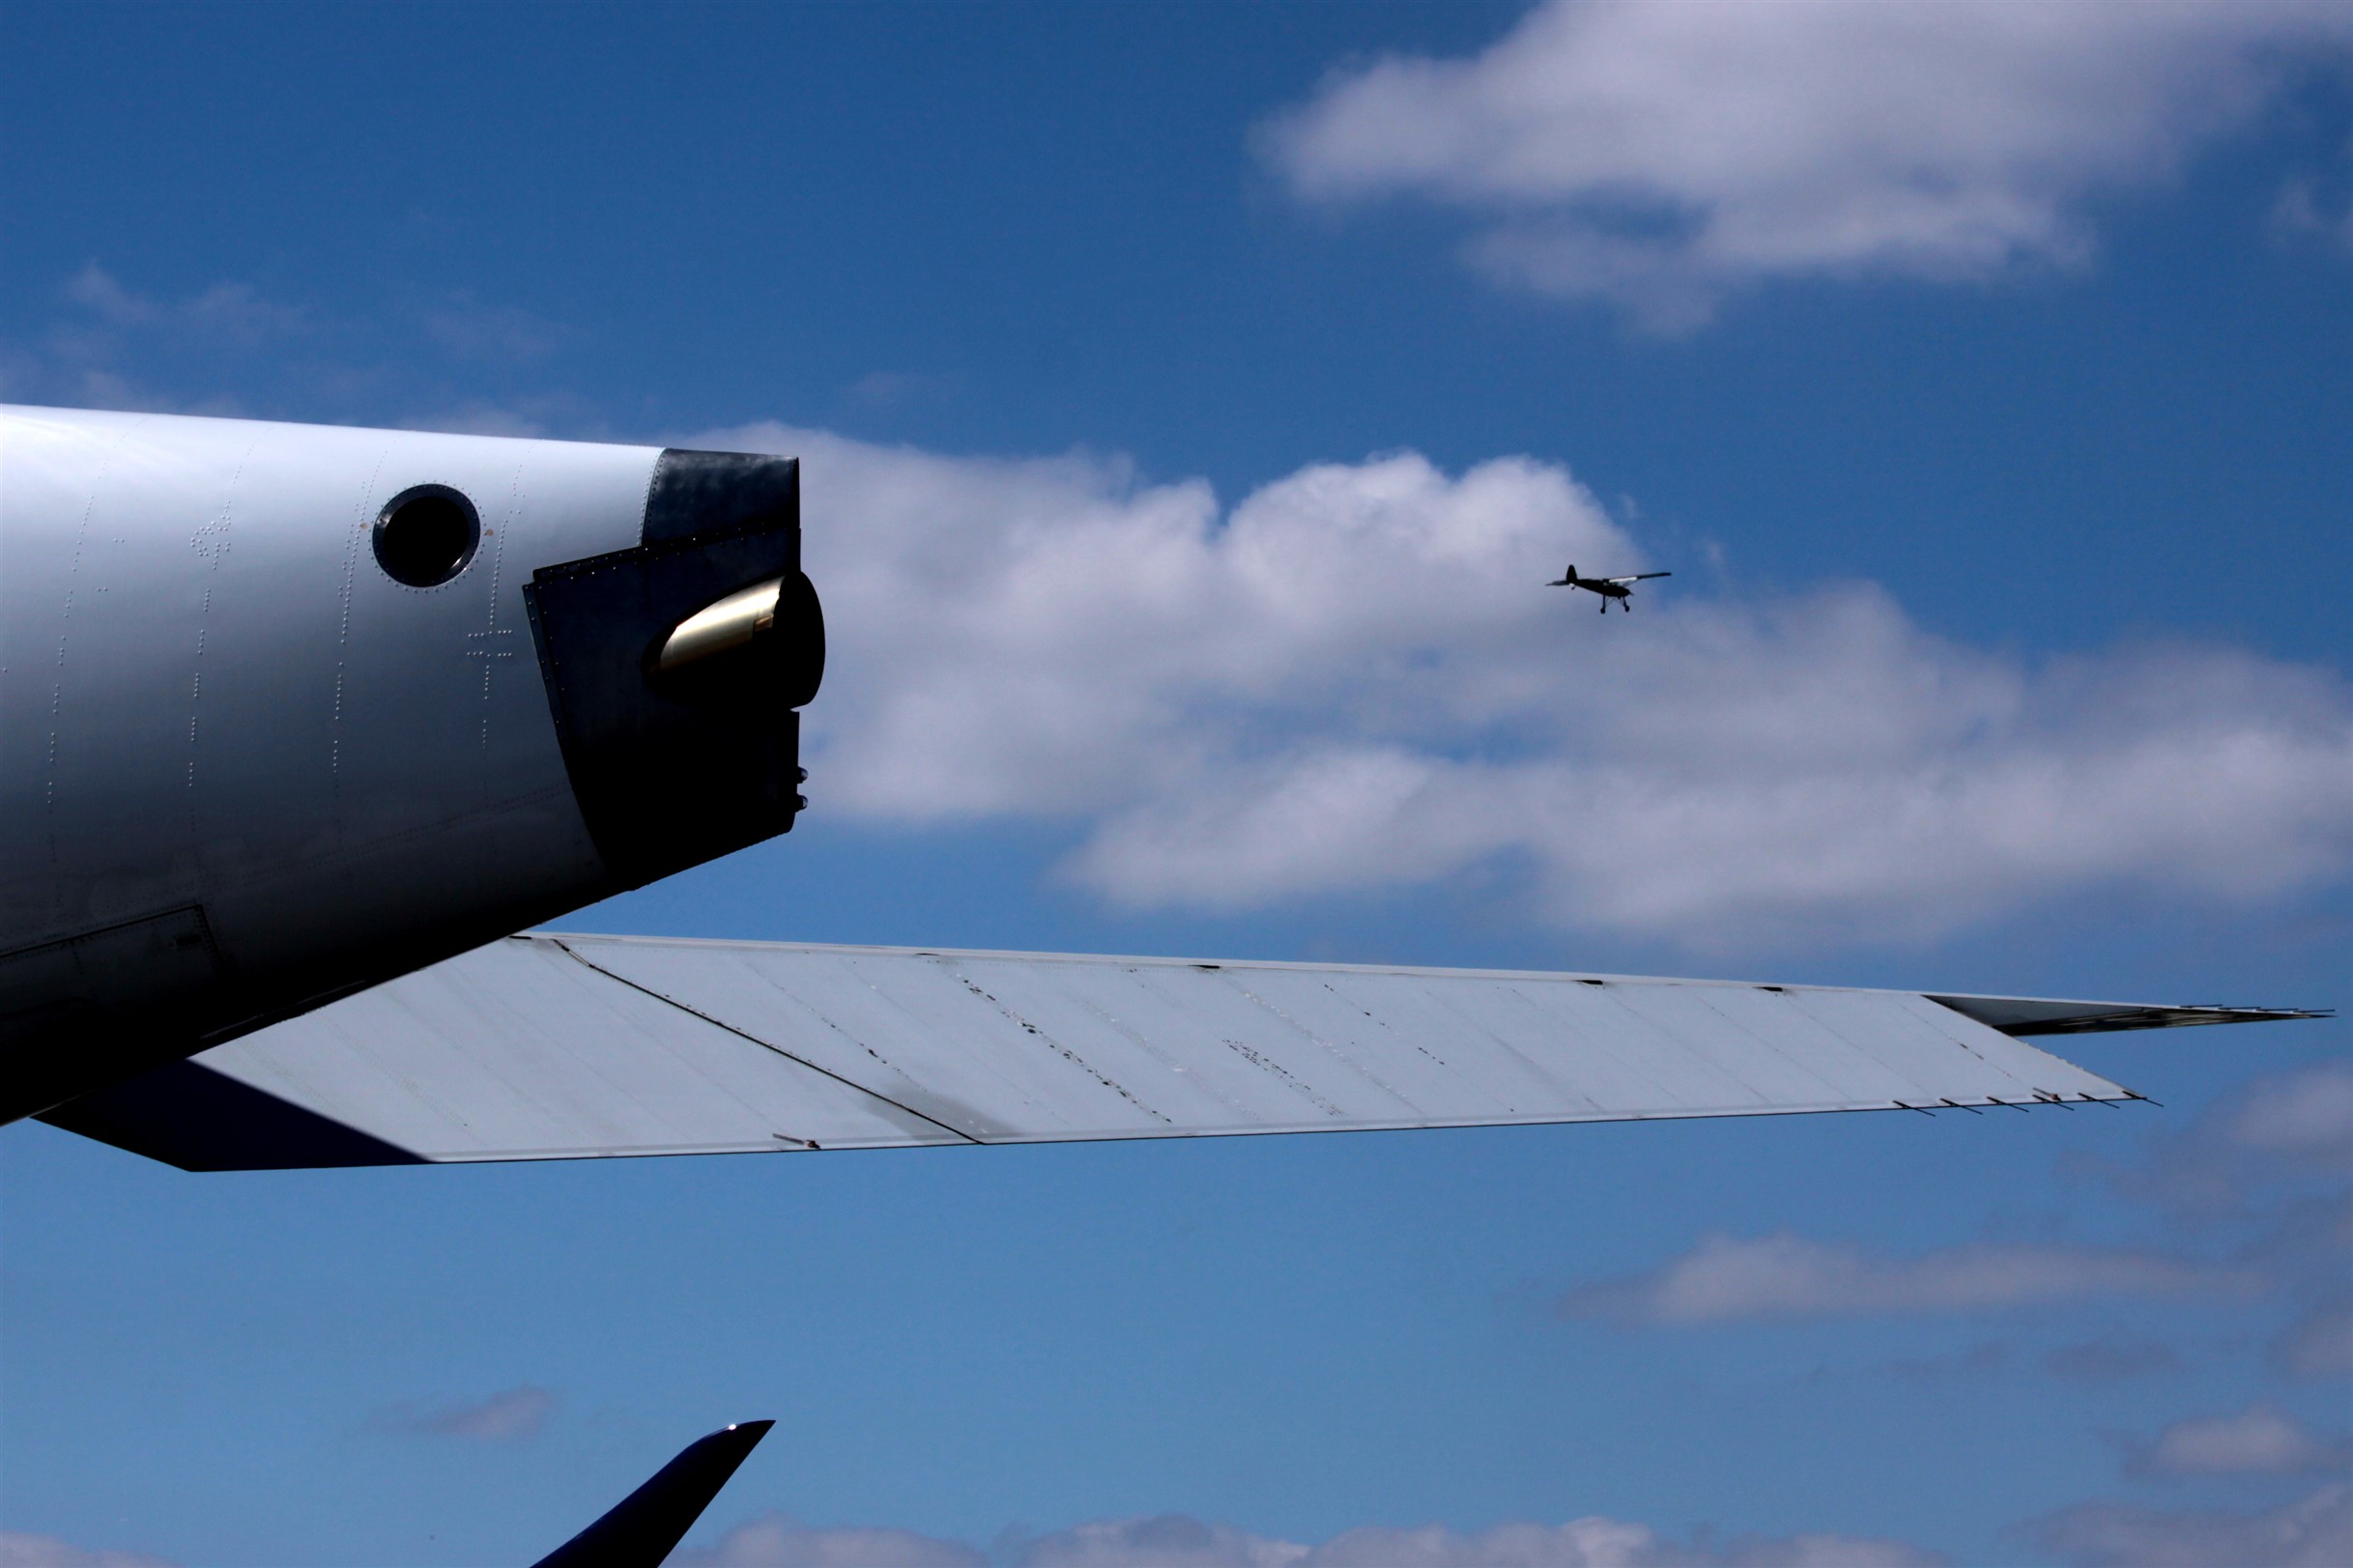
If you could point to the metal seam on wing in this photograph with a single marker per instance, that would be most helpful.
(1710, 998)
(856, 1042)
(980, 1062)
(1334, 1052)
(1072, 1057)
(1113, 1022)
(768, 1045)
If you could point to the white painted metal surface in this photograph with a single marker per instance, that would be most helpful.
(546, 1046)
(221, 700)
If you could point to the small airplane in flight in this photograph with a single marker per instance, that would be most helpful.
(302, 725)
(1608, 588)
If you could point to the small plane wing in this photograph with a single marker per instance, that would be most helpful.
(1637, 577)
(556, 1046)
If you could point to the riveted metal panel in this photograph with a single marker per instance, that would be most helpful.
(547, 1047)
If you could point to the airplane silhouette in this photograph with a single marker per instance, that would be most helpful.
(1608, 588)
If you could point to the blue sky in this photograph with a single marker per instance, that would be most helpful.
(1182, 390)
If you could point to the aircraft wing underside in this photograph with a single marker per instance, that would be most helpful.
(554, 1046)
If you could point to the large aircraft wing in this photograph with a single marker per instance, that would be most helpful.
(556, 1046)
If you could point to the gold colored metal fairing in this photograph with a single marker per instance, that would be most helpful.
(722, 627)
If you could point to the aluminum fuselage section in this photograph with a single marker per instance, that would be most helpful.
(231, 741)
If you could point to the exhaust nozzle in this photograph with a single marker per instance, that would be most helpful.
(720, 628)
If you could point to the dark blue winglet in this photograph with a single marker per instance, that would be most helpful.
(644, 1527)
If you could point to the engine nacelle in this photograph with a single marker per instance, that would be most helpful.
(287, 710)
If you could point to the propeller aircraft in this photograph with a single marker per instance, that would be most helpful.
(1618, 589)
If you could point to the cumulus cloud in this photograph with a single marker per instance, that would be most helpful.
(2318, 1344)
(2315, 1532)
(1727, 1279)
(2319, 205)
(227, 313)
(21, 1549)
(82, 359)
(2288, 1129)
(896, 388)
(781, 1541)
(2268, 1158)
(1352, 680)
(514, 1415)
(1604, 1543)
(469, 327)
(2262, 1440)
(1661, 155)
(1171, 1539)
(2305, 1117)
(119, 345)
(1181, 1541)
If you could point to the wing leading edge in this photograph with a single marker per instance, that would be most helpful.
(556, 1046)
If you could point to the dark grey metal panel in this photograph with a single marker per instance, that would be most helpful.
(186, 1114)
(672, 772)
(103, 1005)
(695, 494)
(548, 1046)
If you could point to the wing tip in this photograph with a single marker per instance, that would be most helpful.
(643, 1529)
(2022, 1015)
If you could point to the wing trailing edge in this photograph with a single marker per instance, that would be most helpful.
(561, 1047)
(2023, 1016)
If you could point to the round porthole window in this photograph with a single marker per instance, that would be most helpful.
(426, 535)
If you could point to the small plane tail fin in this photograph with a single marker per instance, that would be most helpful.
(644, 1527)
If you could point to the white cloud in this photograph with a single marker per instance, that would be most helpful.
(118, 343)
(1180, 1541)
(227, 313)
(21, 1549)
(1603, 1543)
(2306, 1117)
(781, 1541)
(1726, 1279)
(1354, 680)
(2319, 204)
(2315, 1532)
(98, 291)
(512, 1416)
(2262, 1440)
(2281, 1129)
(1661, 155)
(896, 388)
(1176, 1540)
(2267, 1158)
(470, 327)
(1170, 1540)
(2320, 1344)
